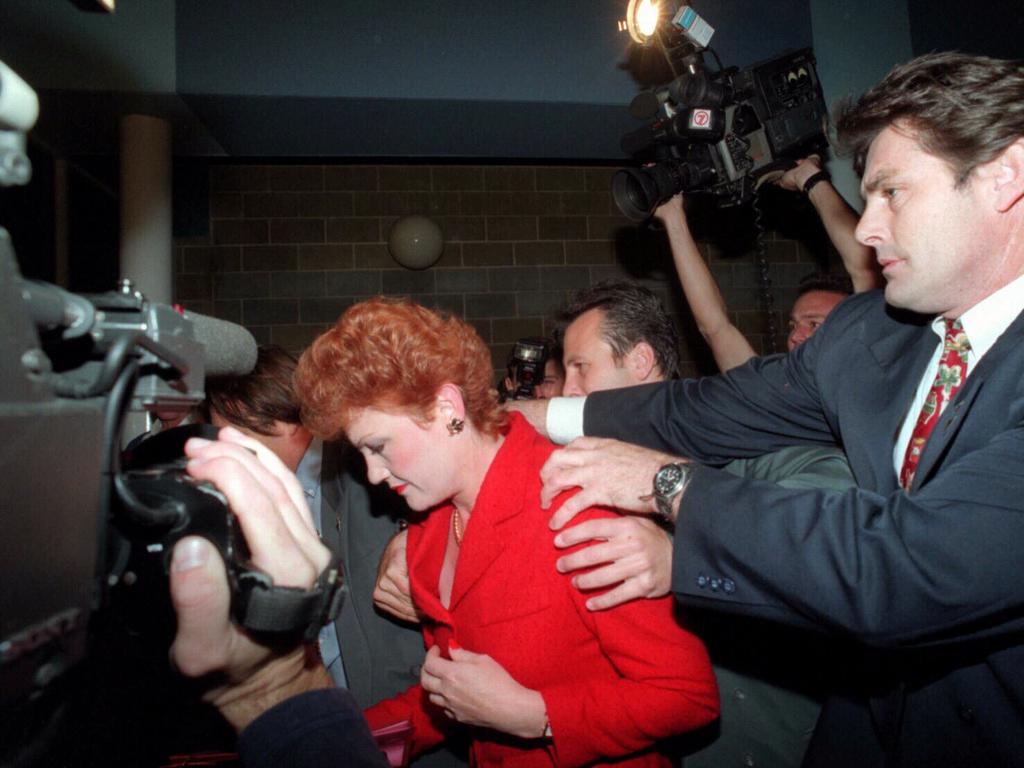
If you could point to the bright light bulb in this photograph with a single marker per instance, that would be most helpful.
(647, 17)
(642, 17)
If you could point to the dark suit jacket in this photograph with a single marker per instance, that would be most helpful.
(381, 656)
(930, 583)
(316, 729)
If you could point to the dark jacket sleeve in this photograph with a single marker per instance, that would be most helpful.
(938, 565)
(318, 729)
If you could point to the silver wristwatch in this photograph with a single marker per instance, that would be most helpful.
(669, 482)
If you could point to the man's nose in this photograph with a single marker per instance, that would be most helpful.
(572, 387)
(797, 336)
(871, 228)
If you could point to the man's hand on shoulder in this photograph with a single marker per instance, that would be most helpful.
(609, 473)
(631, 554)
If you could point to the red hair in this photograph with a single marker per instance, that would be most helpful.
(394, 354)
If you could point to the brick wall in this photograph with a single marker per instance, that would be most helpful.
(291, 246)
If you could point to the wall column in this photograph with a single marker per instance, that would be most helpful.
(146, 252)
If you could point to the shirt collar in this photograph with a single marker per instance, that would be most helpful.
(986, 321)
(308, 471)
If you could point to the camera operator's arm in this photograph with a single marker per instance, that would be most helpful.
(728, 345)
(256, 688)
(840, 221)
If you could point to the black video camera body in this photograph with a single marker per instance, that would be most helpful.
(721, 133)
(79, 513)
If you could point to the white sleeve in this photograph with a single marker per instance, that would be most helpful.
(565, 419)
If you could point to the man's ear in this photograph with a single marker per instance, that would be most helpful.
(449, 403)
(642, 361)
(1007, 175)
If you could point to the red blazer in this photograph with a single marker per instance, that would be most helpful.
(614, 682)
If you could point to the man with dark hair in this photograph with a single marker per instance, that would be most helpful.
(364, 651)
(262, 405)
(920, 564)
(639, 344)
(966, 110)
(770, 721)
(817, 295)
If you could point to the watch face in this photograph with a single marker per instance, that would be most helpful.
(667, 479)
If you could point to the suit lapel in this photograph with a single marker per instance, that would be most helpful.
(901, 354)
(481, 547)
(425, 553)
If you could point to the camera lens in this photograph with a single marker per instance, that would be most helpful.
(635, 193)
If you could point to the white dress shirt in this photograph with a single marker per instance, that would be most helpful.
(983, 323)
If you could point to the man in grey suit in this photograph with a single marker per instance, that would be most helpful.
(921, 563)
(365, 651)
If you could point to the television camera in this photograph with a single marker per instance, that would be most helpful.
(76, 510)
(721, 131)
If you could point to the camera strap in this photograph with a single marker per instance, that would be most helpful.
(264, 608)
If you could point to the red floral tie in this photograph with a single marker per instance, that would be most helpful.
(948, 380)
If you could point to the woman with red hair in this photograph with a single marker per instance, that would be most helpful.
(514, 655)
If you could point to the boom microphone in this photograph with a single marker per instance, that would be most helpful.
(228, 349)
(224, 349)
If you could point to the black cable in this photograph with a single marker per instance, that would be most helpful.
(113, 363)
(766, 300)
(117, 405)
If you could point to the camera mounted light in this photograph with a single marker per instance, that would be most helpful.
(646, 18)
(643, 17)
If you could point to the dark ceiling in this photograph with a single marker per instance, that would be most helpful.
(532, 79)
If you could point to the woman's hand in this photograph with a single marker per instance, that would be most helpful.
(473, 688)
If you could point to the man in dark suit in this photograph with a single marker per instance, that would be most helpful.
(365, 651)
(921, 563)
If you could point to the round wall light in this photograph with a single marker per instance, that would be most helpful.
(415, 242)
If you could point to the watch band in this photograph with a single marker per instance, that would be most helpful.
(261, 607)
(813, 179)
(669, 481)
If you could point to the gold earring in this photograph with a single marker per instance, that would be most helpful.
(455, 426)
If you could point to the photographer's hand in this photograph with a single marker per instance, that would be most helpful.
(278, 528)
